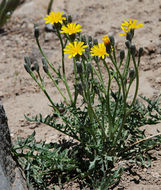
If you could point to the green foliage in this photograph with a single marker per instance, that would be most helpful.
(92, 163)
(6, 9)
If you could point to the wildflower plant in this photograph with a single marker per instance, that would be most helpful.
(104, 122)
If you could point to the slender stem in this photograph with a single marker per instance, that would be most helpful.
(126, 68)
(99, 70)
(124, 101)
(62, 48)
(49, 74)
(43, 55)
(99, 79)
(68, 90)
(107, 96)
(75, 81)
(117, 102)
(63, 66)
(43, 89)
(127, 92)
(137, 81)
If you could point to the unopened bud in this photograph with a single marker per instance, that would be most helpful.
(79, 67)
(27, 60)
(35, 66)
(132, 73)
(69, 18)
(27, 68)
(36, 31)
(65, 22)
(83, 39)
(132, 32)
(129, 36)
(57, 26)
(108, 48)
(128, 44)
(95, 42)
(72, 37)
(45, 65)
(112, 40)
(90, 44)
(122, 54)
(133, 50)
(89, 39)
(140, 51)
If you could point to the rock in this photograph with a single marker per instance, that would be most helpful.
(11, 177)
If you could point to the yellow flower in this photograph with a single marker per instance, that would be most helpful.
(54, 17)
(128, 25)
(99, 50)
(75, 48)
(106, 40)
(71, 28)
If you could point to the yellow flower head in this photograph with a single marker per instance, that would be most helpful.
(54, 17)
(106, 40)
(75, 48)
(71, 28)
(99, 50)
(128, 25)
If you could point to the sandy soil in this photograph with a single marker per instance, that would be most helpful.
(20, 95)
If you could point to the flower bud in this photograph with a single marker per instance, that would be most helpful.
(65, 22)
(83, 39)
(79, 67)
(35, 66)
(108, 48)
(95, 42)
(89, 39)
(122, 54)
(69, 18)
(129, 36)
(36, 31)
(112, 40)
(128, 44)
(133, 50)
(27, 60)
(72, 37)
(27, 68)
(132, 73)
(140, 51)
(45, 65)
(132, 32)
(90, 44)
(57, 26)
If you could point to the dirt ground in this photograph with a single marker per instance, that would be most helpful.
(20, 95)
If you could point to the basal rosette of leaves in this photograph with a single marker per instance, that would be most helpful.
(105, 126)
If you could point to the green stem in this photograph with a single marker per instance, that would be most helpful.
(49, 74)
(124, 101)
(107, 96)
(62, 48)
(137, 81)
(43, 55)
(75, 82)
(126, 68)
(43, 89)
(63, 66)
